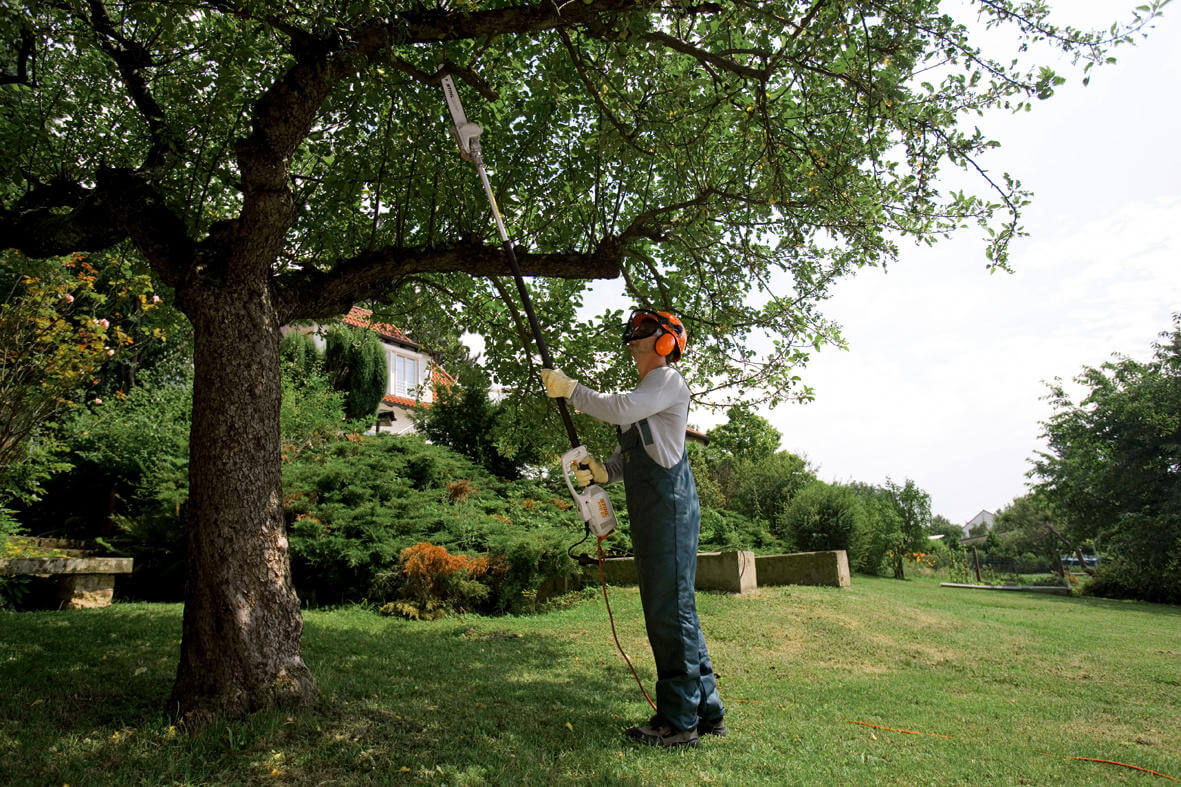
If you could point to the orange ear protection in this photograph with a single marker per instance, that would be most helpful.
(666, 344)
(645, 322)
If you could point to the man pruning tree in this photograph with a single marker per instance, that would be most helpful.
(665, 521)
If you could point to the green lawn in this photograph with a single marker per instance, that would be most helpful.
(1018, 682)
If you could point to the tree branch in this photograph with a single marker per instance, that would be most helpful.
(130, 57)
(706, 57)
(474, 80)
(313, 292)
(624, 132)
(26, 53)
(122, 205)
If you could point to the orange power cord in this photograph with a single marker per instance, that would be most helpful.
(611, 617)
(1064, 756)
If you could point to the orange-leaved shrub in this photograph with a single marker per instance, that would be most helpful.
(432, 581)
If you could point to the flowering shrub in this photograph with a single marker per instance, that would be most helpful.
(51, 345)
(72, 333)
(460, 490)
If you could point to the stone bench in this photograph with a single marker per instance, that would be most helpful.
(83, 580)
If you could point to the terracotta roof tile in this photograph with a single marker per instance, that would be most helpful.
(403, 400)
(363, 318)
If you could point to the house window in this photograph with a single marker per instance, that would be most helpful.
(403, 375)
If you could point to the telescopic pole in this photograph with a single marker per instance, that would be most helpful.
(467, 136)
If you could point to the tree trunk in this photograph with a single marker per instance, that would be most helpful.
(241, 641)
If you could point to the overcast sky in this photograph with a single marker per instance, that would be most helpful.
(942, 382)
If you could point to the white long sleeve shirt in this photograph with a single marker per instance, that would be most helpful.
(662, 397)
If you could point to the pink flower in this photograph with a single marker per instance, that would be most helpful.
(69, 298)
(110, 351)
(155, 299)
(104, 323)
(98, 401)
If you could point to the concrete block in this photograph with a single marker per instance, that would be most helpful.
(804, 568)
(86, 591)
(731, 572)
(617, 571)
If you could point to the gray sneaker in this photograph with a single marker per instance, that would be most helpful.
(659, 732)
(717, 727)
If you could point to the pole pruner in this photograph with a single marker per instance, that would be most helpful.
(594, 507)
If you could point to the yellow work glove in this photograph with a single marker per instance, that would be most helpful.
(594, 472)
(557, 384)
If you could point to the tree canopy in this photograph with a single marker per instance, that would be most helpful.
(745, 435)
(728, 161)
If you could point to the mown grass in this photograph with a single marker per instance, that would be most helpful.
(1017, 682)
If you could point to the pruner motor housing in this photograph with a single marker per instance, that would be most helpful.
(593, 504)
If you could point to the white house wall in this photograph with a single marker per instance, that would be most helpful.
(424, 392)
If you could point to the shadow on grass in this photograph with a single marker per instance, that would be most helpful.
(81, 669)
(474, 697)
(84, 694)
(1123, 605)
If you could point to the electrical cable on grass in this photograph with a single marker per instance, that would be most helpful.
(1045, 754)
(611, 617)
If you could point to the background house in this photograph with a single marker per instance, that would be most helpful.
(986, 518)
(411, 374)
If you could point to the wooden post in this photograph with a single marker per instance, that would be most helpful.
(976, 561)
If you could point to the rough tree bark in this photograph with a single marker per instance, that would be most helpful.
(242, 624)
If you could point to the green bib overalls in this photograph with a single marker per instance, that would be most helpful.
(665, 524)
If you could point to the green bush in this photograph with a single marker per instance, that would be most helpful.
(127, 467)
(12, 588)
(312, 411)
(878, 533)
(298, 353)
(354, 505)
(725, 530)
(127, 481)
(464, 418)
(1123, 577)
(709, 491)
(112, 449)
(943, 553)
(355, 362)
(822, 516)
(762, 488)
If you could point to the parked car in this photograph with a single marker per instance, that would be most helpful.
(1088, 560)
